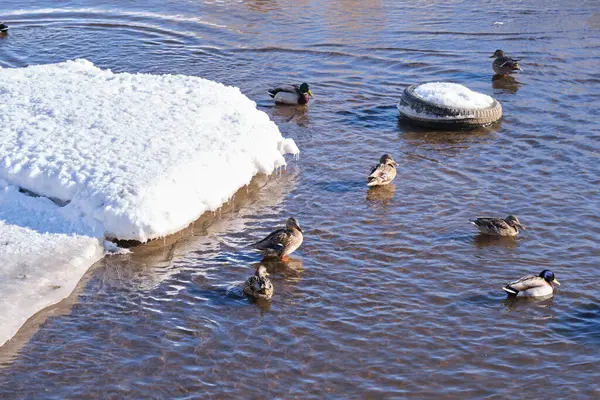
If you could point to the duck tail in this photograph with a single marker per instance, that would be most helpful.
(510, 290)
(372, 181)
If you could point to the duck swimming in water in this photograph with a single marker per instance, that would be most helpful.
(504, 65)
(282, 242)
(498, 226)
(383, 173)
(3, 28)
(291, 94)
(259, 285)
(533, 286)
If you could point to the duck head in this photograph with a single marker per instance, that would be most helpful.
(497, 54)
(549, 276)
(304, 89)
(292, 223)
(513, 221)
(387, 159)
(261, 272)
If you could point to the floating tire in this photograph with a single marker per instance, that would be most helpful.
(422, 112)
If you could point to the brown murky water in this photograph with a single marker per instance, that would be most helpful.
(392, 294)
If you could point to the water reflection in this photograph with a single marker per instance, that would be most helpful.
(289, 113)
(517, 304)
(381, 195)
(482, 241)
(450, 143)
(506, 84)
(291, 269)
(263, 6)
(143, 270)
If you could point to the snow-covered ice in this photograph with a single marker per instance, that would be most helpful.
(87, 154)
(36, 269)
(452, 95)
(137, 156)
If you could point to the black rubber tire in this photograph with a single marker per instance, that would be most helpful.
(472, 118)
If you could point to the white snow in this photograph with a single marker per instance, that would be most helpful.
(137, 156)
(453, 95)
(87, 154)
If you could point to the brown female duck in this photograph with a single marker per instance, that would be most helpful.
(498, 226)
(259, 286)
(504, 65)
(383, 173)
(282, 242)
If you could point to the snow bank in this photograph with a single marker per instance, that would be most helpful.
(131, 156)
(87, 154)
(453, 95)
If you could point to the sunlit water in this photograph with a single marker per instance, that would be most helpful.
(392, 293)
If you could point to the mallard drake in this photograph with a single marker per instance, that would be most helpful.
(383, 173)
(259, 285)
(3, 28)
(503, 64)
(291, 94)
(282, 242)
(533, 286)
(498, 226)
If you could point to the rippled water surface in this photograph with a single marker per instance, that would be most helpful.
(392, 293)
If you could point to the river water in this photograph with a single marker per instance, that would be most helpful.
(392, 294)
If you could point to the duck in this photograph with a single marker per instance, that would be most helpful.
(383, 173)
(291, 94)
(259, 286)
(3, 28)
(533, 286)
(282, 242)
(504, 65)
(508, 226)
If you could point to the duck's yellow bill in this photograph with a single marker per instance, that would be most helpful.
(556, 281)
(310, 93)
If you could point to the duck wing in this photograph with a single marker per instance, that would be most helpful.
(509, 63)
(381, 173)
(492, 224)
(275, 241)
(524, 283)
(284, 88)
(252, 284)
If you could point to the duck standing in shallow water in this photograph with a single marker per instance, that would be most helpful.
(533, 286)
(291, 94)
(3, 28)
(504, 65)
(282, 242)
(498, 226)
(259, 285)
(383, 173)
